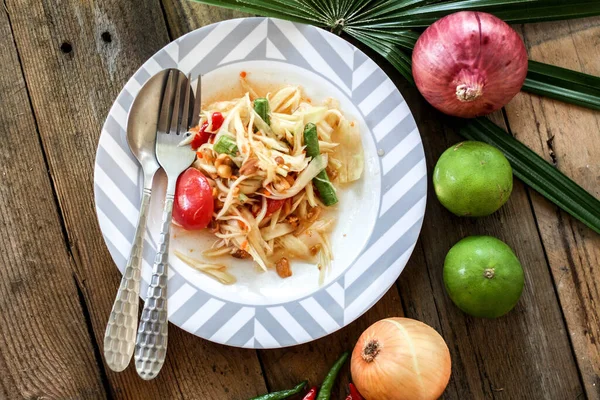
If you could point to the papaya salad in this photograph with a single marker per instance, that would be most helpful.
(265, 179)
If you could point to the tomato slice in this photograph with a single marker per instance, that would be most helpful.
(274, 205)
(217, 121)
(201, 137)
(193, 206)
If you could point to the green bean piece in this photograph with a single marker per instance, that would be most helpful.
(321, 181)
(284, 394)
(325, 392)
(226, 144)
(261, 106)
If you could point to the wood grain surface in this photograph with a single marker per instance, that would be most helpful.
(569, 137)
(500, 358)
(45, 346)
(71, 92)
(64, 63)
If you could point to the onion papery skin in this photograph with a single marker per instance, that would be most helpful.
(412, 361)
(469, 64)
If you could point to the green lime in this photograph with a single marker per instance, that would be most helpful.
(472, 179)
(483, 276)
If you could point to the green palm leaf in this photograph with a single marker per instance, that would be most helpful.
(563, 84)
(400, 60)
(537, 173)
(386, 26)
(393, 15)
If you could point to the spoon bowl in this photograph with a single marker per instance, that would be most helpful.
(142, 122)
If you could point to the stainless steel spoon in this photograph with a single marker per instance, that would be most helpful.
(119, 338)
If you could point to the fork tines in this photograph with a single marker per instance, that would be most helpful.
(175, 108)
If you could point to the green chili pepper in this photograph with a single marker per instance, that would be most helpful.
(325, 392)
(321, 181)
(261, 106)
(226, 144)
(284, 394)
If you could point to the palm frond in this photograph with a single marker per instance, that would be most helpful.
(358, 6)
(563, 84)
(400, 60)
(537, 172)
(511, 11)
(403, 38)
(385, 7)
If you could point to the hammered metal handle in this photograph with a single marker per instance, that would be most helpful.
(119, 338)
(151, 343)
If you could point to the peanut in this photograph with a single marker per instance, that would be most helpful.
(290, 179)
(281, 184)
(240, 254)
(224, 171)
(250, 167)
(283, 268)
(223, 159)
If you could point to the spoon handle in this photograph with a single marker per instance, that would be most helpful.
(119, 338)
(151, 343)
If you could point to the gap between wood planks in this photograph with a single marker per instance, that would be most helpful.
(90, 329)
(81, 298)
(547, 260)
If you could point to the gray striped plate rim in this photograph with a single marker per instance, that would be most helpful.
(387, 206)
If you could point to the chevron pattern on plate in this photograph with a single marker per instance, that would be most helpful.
(403, 172)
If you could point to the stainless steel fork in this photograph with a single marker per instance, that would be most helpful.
(173, 123)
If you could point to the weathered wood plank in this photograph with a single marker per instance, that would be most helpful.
(185, 16)
(569, 137)
(76, 57)
(45, 347)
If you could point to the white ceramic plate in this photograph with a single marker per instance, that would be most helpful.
(379, 217)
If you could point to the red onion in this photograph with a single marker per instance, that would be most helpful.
(469, 64)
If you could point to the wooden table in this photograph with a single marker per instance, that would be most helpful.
(62, 65)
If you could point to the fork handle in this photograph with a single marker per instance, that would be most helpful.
(151, 343)
(119, 338)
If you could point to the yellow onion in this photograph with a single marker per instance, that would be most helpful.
(400, 359)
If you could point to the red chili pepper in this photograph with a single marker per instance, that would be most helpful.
(217, 121)
(201, 137)
(354, 394)
(312, 394)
